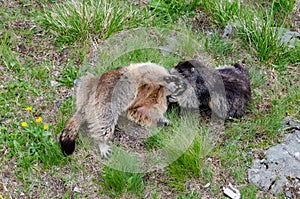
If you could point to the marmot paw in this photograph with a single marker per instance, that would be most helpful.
(105, 150)
(163, 122)
(175, 84)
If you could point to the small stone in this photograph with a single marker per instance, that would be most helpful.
(56, 73)
(232, 192)
(58, 104)
(188, 187)
(262, 161)
(53, 83)
(77, 81)
(77, 189)
(229, 31)
(288, 194)
(207, 185)
(5, 180)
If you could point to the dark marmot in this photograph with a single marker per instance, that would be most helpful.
(138, 91)
(226, 90)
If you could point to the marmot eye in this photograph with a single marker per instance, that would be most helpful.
(183, 74)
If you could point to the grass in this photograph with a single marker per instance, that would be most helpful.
(258, 28)
(262, 36)
(116, 183)
(52, 41)
(8, 56)
(191, 164)
(222, 12)
(79, 20)
(171, 10)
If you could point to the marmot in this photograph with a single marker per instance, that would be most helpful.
(138, 90)
(225, 90)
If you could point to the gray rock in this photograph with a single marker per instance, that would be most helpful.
(53, 83)
(289, 38)
(281, 164)
(229, 31)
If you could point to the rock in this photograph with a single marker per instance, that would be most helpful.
(77, 82)
(53, 83)
(77, 189)
(289, 38)
(292, 123)
(275, 173)
(229, 31)
(232, 192)
(207, 185)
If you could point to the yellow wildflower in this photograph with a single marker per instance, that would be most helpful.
(1, 196)
(24, 124)
(38, 120)
(29, 108)
(46, 127)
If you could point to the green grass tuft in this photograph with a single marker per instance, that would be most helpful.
(117, 183)
(222, 12)
(33, 143)
(79, 20)
(192, 163)
(8, 57)
(171, 10)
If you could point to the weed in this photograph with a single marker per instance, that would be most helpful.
(281, 9)
(260, 29)
(33, 143)
(222, 12)
(288, 56)
(66, 107)
(68, 76)
(260, 34)
(171, 10)
(9, 57)
(190, 164)
(78, 20)
(220, 48)
(249, 191)
(118, 183)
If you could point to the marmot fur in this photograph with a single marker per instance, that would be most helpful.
(224, 90)
(138, 90)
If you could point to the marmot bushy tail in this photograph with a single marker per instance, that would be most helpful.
(101, 100)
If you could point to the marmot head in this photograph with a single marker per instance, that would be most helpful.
(190, 71)
(185, 69)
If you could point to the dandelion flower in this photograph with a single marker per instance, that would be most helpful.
(46, 127)
(1, 196)
(29, 108)
(24, 124)
(38, 120)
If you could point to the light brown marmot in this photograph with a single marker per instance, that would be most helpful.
(137, 90)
